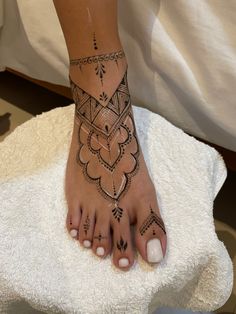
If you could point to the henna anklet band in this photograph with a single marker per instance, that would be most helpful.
(113, 56)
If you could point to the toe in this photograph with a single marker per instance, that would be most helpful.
(86, 228)
(102, 235)
(150, 235)
(73, 221)
(123, 254)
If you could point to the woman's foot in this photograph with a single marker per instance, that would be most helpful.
(108, 187)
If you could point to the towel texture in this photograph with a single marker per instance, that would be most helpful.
(41, 265)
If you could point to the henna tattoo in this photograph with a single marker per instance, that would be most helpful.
(151, 219)
(102, 146)
(70, 220)
(86, 224)
(117, 213)
(100, 71)
(99, 60)
(94, 42)
(122, 245)
(113, 56)
(103, 96)
(99, 237)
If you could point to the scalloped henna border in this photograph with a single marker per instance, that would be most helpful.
(97, 181)
(121, 147)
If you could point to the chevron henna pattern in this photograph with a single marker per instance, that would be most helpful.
(151, 219)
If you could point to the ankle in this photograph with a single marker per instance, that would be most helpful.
(99, 77)
(98, 69)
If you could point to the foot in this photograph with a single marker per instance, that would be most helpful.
(108, 186)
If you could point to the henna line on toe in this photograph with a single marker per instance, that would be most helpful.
(86, 224)
(121, 245)
(99, 237)
(151, 219)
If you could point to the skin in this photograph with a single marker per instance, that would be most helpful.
(103, 212)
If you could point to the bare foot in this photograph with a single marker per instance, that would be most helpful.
(107, 181)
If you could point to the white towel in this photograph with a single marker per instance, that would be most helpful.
(41, 265)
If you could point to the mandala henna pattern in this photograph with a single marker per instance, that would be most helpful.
(108, 146)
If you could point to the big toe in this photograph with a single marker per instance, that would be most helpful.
(150, 235)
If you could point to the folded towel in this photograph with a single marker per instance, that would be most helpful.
(42, 266)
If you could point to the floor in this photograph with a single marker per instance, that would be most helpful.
(28, 100)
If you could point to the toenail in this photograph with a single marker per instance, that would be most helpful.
(100, 251)
(73, 233)
(123, 262)
(154, 251)
(87, 243)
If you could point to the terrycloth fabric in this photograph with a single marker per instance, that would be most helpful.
(41, 265)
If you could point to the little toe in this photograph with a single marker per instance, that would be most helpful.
(87, 228)
(150, 235)
(102, 236)
(73, 222)
(123, 254)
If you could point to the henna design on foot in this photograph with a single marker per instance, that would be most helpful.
(99, 237)
(103, 143)
(151, 219)
(122, 245)
(86, 224)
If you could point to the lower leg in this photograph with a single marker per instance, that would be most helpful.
(90, 29)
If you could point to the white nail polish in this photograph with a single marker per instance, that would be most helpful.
(100, 251)
(73, 233)
(123, 262)
(154, 251)
(87, 243)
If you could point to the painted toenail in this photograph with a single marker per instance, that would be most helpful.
(73, 233)
(154, 251)
(100, 251)
(123, 262)
(87, 243)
